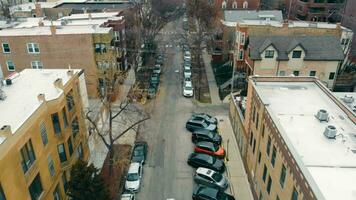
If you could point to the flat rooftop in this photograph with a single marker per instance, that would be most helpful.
(328, 164)
(21, 97)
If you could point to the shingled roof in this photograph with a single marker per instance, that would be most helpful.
(326, 47)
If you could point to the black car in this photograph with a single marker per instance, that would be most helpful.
(207, 136)
(203, 193)
(195, 125)
(139, 152)
(207, 161)
(206, 117)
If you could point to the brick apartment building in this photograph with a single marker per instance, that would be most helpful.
(297, 139)
(42, 134)
(298, 48)
(93, 42)
(348, 19)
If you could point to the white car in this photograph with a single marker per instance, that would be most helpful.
(187, 80)
(134, 176)
(187, 58)
(127, 196)
(187, 73)
(188, 90)
(187, 53)
(186, 67)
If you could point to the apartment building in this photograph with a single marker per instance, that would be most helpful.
(298, 139)
(348, 19)
(42, 132)
(315, 10)
(292, 48)
(93, 42)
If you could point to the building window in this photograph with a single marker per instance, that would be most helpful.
(51, 169)
(297, 54)
(282, 73)
(70, 146)
(277, 198)
(296, 73)
(259, 156)
(56, 123)
(2, 194)
(254, 114)
(33, 48)
(56, 193)
(100, 48)
(273, 159)
(269, 184)
(294, 194)
(234, 5)
(257, 120)
(75, 127)
(269, 54)
(36, 188)
(263, 131)
(65, 119)
(70, 100)
(251, 138)
(268, 146)
(10, 65)
(223, 5)
(282, 177)
(331, 75)
(36, 65)
(245, 5)
(312, 73)
(264, 175)
(6, 48)
(80, 151)
(242, 39)
(260, 196)
(62, 153)
(43, 132)
(65, 181)
(241, 54)
(254, 146)
(28, 156)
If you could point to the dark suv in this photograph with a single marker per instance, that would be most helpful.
(203, 192)
(208, 136)
(195, 125)
(207, 161)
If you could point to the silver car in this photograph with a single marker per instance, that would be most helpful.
(211, 178)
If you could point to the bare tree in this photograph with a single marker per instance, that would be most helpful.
(4, 9)
(107, 95)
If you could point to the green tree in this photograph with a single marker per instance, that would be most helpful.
(86, 183)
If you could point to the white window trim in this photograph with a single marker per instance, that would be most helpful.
(234, 5)
(241, 54)
(7, 65)
(37, 64)
(33, 47)
(245, 4)
(223, 5)
(242, 38)
(3, 50)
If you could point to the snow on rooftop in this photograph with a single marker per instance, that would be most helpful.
(104, 15)
(330, 162)
(27, 7)
(21, 101)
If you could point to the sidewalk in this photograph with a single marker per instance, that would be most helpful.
(213, 87)
(239, 185)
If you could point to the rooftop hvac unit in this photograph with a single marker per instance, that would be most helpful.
(2, 95)
(330, 132)
(348, 98)
(322, 115)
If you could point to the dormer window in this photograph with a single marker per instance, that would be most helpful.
(269, 54)
(297, 54)
(234, 5)
(223, 5)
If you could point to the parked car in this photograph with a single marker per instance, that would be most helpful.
(205, 135)
(209, 148)
(154, 80)
(128, 196)
(187, 66)
(194, 125)
(187, 53)
(203, 192)
(134, 176)
(187, 73)
(185, 47)
(157, 69)
(188, 90)
(187, 80)
(139, 152)
(207, 161)
(206, 117)
(151, 92)
(210, 178)
(187, 58)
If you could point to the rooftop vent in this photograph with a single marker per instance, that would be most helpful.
(322, 115)
(2, 95)
(348, 98)
(330, 132)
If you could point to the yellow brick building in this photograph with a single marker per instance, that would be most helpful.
(43, 133)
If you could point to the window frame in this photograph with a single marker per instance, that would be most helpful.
(282, 73)
(36, 195)
(51, 168)
(296, 72)
(273, 157)
(62, 155)
(332, 75)
(269, 53)
(310, 73)
(38, 64)
(28, 156)
(43, 132)
(297, 54)
(2, 193)
(13, 65)
(32, 45)
(3, 48)
(282, 176)
(264, 174)
(56, 126)
(269, 185)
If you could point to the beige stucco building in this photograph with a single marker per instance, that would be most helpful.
(42, 133)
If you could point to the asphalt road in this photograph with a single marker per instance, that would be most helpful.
(167, 175)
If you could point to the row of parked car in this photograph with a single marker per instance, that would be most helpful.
(135, 172)
(207, 158)
(155, 77)
(188, 90)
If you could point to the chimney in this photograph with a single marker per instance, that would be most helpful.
(5, 131)
(53, 28)
(285, 24)
(338, 26)
(58, 83)
(89, 16)
(41, 97)
(40, 23)
(70, 72)
(38, 9)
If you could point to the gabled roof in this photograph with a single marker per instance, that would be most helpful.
(325, 47)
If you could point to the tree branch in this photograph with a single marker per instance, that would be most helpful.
(91, 121)
(121, 110)
(130, 127)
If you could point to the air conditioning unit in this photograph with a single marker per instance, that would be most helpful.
(330, 132)
(322, 115)
(348, 98)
